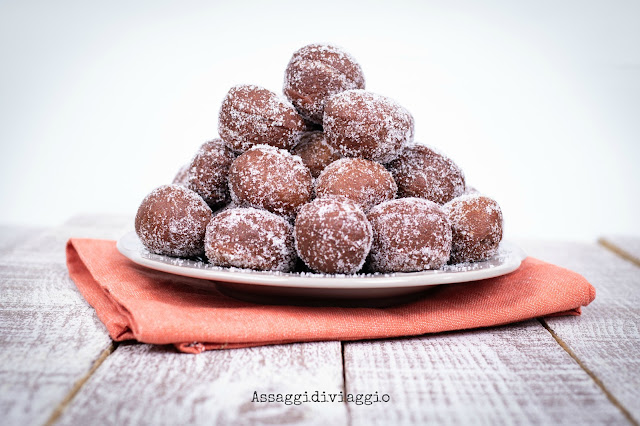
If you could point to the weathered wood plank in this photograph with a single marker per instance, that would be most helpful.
(624, 246)
(514, 374)
(153, 385)
(10, 236)
(106, 226)
(456, 380)
(49, 335)
(606, 338)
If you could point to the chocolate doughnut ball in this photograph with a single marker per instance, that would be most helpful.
(272, 179)
(422, 172)
(207, 172)
(409, 234)
(181, 176)
(315, 153)
(476, 223)
(316, 72)
(172, 221)
(365, 182)
(252, 115)
(333, 236)
(250, 238)
(367, 125)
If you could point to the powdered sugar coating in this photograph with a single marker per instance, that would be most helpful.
(207, 172)
(367, 125)
(252, 115)
(172, 220)
(363, 181)
(270, 178)
(476, 223)
(250, 238)
(409, 234)
(315, 152)
(421, 171)
(333, 236)
(316, 72)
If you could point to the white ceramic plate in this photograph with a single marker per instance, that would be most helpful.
(278, 287)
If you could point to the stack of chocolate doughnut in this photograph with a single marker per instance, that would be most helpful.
(327, 179)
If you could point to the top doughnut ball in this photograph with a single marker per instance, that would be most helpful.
(316, 72)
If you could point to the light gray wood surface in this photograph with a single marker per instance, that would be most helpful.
(49, 335)
(11, 236)
(514, 374)
(154, 385)
(583, 370)
(625, 246)
(606, 338)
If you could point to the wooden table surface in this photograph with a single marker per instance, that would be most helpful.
(59, 366)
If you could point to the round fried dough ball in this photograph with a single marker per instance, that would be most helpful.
(316, 72)
(181, 177)
(366, 125)
(252, 115)
(422, 172)
(476, 222)
(333, 236)
(270, 178)
(207, 172)
(250, 238)
(366, 182)
(409, 234)
(315, 153)
(171, 220)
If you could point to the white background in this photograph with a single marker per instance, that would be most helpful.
(537, 101)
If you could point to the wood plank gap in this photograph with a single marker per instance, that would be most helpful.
(620, 252)
(597, 381)
(57, 412)
(344, 383)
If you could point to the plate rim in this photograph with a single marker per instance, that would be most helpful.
(319, 281)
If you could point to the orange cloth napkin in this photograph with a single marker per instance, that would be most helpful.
(154, 307)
